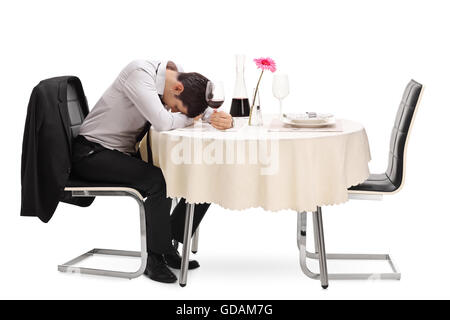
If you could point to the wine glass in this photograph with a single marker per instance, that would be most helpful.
(280, 88)
(215, 94)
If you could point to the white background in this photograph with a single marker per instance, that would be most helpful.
(352, 58)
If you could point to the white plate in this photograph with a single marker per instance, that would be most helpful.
(303, 118)
(310, 123)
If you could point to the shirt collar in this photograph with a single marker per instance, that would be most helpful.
(161, 76)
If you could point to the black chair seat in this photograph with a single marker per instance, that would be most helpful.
(376, 183)
(74, 182)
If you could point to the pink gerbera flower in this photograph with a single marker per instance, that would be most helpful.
(266, 64)
(263, 64)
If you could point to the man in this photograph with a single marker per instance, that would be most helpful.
(145, 92)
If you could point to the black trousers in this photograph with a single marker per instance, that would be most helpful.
(93, 162)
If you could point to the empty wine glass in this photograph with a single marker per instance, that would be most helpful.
(215, 94)
(280, 88)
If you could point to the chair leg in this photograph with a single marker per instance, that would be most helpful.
(322, 256)
(195, 240)
(318, 230)
(186, 243)
(316, 242)
(174, 204)
(68, 267)
(195, 236)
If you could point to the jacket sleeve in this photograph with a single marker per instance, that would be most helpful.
(29, 179)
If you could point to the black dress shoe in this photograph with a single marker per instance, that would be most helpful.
(173, 260)
(157, 269)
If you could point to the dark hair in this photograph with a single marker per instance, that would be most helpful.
(193, 95)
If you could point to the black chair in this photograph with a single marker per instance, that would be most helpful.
(373, 188)
(77, 110)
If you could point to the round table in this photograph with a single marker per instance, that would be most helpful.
(255, 167)
(247, 167)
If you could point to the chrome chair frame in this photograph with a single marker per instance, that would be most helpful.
(69, 267)
(321, 255)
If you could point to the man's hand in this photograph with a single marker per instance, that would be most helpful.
(221, 120)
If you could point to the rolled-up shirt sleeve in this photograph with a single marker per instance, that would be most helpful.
(207, 114)
(141, 90)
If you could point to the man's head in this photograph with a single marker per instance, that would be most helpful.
(185, 92)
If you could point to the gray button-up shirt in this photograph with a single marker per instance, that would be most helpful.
(133, 99)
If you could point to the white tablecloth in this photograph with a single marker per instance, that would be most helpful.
(252, 167)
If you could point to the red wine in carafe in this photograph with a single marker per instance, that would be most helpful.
(240, 107)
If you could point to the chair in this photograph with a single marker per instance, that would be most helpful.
(77, 110)
(373, 188)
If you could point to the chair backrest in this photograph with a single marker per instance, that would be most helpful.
(77, 107)
(400, 132)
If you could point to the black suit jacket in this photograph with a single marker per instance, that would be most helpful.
(46, 150)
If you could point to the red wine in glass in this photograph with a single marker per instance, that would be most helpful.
(215, 94)
(215, 103)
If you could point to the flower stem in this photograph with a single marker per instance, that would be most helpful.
(254, 99)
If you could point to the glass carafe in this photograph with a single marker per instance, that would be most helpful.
(240, 106)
